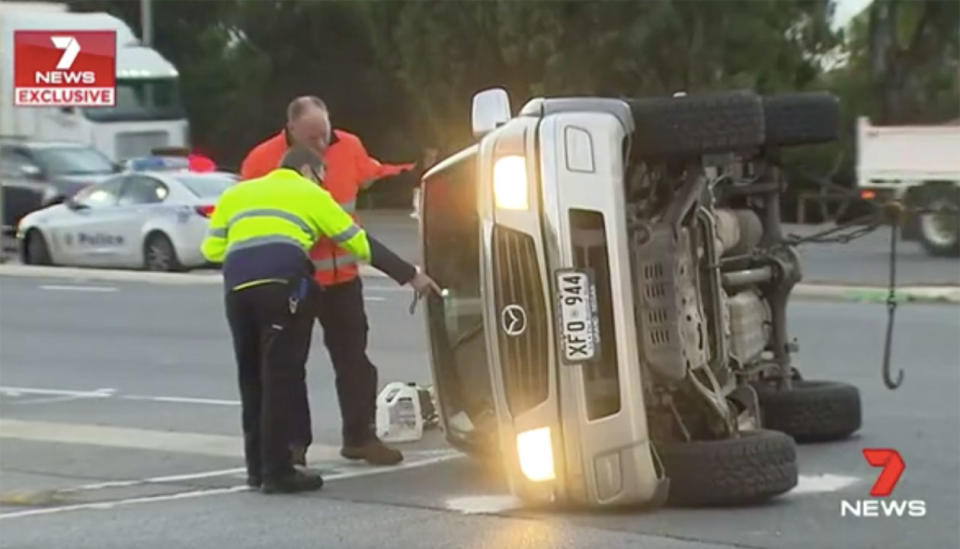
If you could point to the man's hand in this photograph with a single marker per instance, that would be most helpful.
(424, 284)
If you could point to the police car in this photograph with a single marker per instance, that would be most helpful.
(152, 217)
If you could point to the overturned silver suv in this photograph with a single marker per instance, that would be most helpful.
(613, 326)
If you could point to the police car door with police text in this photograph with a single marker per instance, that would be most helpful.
(88, 231)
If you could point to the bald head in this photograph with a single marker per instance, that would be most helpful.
(301, 104)
(309, 123)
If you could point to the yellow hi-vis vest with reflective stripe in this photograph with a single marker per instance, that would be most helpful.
(281, 206)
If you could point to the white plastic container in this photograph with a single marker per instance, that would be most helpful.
(399, 416)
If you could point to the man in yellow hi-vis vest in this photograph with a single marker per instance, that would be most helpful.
(262, 231)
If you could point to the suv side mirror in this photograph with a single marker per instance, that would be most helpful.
(491, 108)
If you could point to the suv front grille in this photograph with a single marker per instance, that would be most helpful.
(521, 319)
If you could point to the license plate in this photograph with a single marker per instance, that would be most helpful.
(578, 317)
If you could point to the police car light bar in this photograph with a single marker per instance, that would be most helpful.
(157, 163)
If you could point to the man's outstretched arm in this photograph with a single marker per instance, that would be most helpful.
(371, 169)
(338, 226)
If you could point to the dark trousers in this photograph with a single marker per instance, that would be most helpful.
(271, 345)
(344, 321)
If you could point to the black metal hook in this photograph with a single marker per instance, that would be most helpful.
(888, 344)
(891, 311)
(890, 383)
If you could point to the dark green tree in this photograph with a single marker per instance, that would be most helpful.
(443, 52)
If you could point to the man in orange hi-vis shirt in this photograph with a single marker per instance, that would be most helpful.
(349, 169)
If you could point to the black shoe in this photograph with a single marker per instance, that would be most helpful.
(254, 481)
(374, 452)
(299, 480)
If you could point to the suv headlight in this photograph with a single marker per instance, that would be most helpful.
(510, 183)
(535, 450)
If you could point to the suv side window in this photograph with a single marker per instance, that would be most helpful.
(143, 190)
(103, 195)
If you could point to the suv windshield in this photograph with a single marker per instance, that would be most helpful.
(207, 186)
(142, 99)
(73, 161)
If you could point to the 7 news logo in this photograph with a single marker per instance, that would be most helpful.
(64, 68)
(893, 468)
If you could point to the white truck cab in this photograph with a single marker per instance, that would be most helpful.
(148, 113)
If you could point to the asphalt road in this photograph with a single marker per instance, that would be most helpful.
(119, 428)
(866, 261)
(862, 262)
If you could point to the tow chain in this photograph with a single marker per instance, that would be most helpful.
(863, 226)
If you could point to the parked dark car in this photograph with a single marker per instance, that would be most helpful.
(20, 196)
(35, 174)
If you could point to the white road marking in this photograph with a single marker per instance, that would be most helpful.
(366, 471)
(470, 505)
(47, 400)
(373, 298)
(349, 471)
(151, 480)
(122, 437)
(816, 484)
(195, 476)
(217, 491)
(18, 391)
(139, 439)
(49, 396)
(79, 274)
(62, 288)
(183, 400)
(121, 502)
(60, 395)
